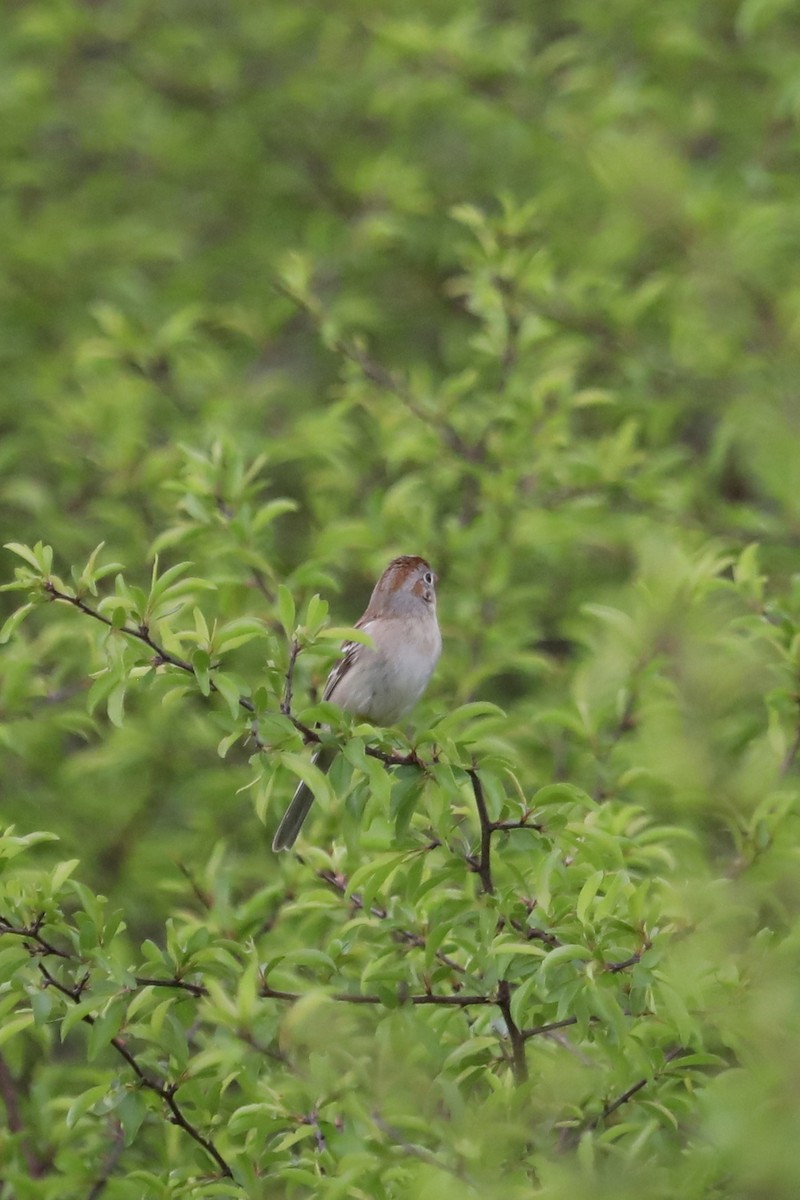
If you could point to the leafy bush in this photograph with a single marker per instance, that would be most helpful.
(291, 293)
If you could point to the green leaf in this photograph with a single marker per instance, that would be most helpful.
(24, 552)
(238, 633)
(62, 873)
(286, 609)
(229, 691)
(310, 774)
(10, 1028)
(14, 621)
(565, 954)
(463, 715)
(84, 1102)
(106, 1026)
(116, 703)
(587, 894)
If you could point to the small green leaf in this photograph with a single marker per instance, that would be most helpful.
(62, 873)
(23, 552)
(81, 1104)
(229, 692)
(565, 954)
(201, 665)
(14, 621)
(587, 895)
(316, 614)
(286, 609)
(310, 774)
(116, 703)
(10, 1029)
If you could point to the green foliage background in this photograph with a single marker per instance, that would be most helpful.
(287, 290)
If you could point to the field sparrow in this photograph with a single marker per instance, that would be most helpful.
(380, 685)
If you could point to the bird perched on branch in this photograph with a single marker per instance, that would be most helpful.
(383, 683)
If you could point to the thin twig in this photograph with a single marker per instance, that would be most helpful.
(538, 1030)
(637, 1087)
(631, 961)
(483, 865)
(194, 989)
(202, 896)
(387, 381)
(791, 753)
(31, 933)
(454, 1000)
(339, 884)
(37, 1166)
(165, 1090)
(286, 702)
(111, 1161)
(415, 1151)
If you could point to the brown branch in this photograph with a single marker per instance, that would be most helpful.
(111, 1162)
(483, 864)
(524, 822)
(194, 989)
(41, 946)
(286, 702)
(312, 1119)
(387, 381)
(637, 1087)
(339, 884)
(162, 656)
(165, 1090)
(140, 633)
(631, 961)
(262, 585)
(37, 1166)
(31, 933)
(415, 1151)
(519, 1063)
(532, 933)
(538, 1030)
(456, 1000)
(206, 901)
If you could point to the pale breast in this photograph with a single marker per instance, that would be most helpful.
(383, 684)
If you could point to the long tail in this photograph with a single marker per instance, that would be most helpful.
(299, 807)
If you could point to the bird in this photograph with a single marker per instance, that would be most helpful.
(382, 682)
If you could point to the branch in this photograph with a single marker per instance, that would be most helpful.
(483, 864)
(637, 1087)
(37, 1167)
(339, 884)
(165, 1090)
(422, 1152)
(636, 957)
(538, 1030)
(194, 989)
(386, 380)
(286, 702)
(456, 1000)
(41, 946)
(31, 933)
(110, 1165)
(519, 1064)
(140, 633)
(162, 656)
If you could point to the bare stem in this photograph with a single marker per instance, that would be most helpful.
(165, 1090)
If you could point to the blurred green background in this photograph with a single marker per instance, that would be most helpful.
(286, 290)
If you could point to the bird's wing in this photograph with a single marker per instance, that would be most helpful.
(350, 652)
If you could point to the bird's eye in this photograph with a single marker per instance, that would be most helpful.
(427, 577)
